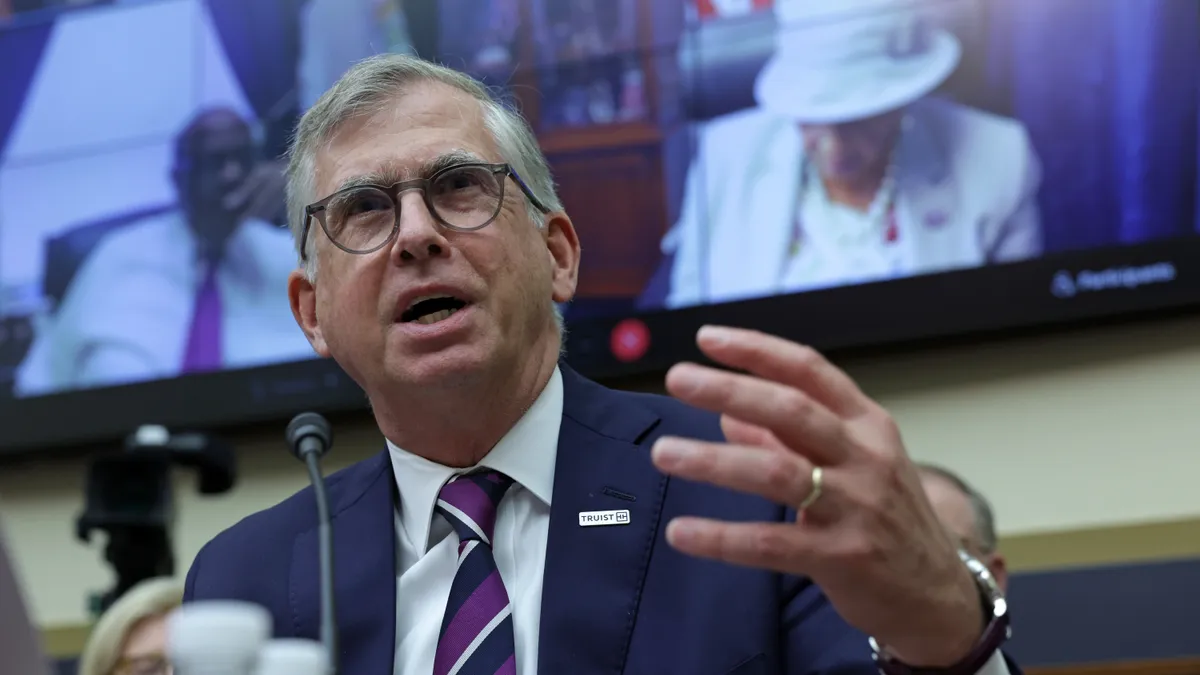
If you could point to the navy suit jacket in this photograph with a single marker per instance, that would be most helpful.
(615, 599)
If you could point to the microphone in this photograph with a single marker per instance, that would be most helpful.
(309, 436)
(217, 637)
(292, 657)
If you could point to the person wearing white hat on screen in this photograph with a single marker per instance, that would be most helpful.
(848, 171)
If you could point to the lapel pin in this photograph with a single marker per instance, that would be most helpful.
(594, 518)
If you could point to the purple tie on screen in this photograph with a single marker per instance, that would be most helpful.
(477, 630)
(203, 351)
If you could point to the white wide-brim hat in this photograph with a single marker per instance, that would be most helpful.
(844, 60)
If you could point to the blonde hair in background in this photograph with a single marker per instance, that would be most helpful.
(151, 598)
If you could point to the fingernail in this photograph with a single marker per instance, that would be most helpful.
(714, 335)
(669, 453)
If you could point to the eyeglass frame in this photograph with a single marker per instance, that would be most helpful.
(394, 191)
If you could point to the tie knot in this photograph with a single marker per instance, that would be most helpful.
(469, 502)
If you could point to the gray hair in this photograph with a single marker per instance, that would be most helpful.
(985, 518)
(369, 87)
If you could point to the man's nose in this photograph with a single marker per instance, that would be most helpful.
(420, 237)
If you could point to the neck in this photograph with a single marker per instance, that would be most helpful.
(460, 424)
(211, 235)
(857, 192)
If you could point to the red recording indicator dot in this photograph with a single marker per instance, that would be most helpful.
(630, 340)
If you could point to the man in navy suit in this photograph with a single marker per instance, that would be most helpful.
(525, 520)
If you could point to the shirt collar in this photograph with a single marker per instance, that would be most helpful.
(240, 256)
(526, 454)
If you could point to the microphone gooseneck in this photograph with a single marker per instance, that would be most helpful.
(310, 437)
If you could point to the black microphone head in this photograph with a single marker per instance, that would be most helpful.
(308, 430)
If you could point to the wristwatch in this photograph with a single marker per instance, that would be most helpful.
(995, 632)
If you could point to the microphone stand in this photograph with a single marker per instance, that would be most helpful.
(325, 544)
(310, 437)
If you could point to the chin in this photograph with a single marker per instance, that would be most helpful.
(448, 365)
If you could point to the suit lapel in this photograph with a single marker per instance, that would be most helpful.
(928, 205)
(594, 575)
(757, 220)
(364, 570)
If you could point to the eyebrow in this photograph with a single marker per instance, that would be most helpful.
(396, 174)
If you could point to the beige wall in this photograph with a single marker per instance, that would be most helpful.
(1094, 429)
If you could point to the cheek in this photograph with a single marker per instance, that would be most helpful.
(353, 299)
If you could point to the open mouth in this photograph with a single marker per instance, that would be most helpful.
(431, 309)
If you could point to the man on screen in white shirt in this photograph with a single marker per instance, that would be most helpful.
(190, 290)
(847, 171)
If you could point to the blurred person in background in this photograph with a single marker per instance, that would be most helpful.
(848, 171)
(131, 637)
(968, 515)
(192, 290)
(336, 34)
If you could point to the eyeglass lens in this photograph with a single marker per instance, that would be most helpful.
(361, 219)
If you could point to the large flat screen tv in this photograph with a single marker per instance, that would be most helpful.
(849, 173)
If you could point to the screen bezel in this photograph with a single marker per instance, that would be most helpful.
(990, 301)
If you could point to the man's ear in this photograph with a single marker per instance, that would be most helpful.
(303, 296)
(562, 243)
(999, 569)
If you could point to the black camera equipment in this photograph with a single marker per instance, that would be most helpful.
(129, 496)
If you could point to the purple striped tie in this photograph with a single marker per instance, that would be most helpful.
(477, 630)
(203, 350)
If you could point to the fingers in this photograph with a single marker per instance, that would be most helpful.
(783, 361)
(780, 476)
(744, 433)
(797, 420)
(781, 547)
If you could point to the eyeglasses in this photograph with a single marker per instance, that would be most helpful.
(365, 218)
(152, 664)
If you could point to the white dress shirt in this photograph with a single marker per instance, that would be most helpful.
(127, 313)
(427, 549)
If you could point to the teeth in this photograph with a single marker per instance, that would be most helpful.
(423, 298)
(436, 316)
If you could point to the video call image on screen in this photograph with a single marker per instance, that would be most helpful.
(708, 151)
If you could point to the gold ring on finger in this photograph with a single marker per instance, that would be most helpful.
(815, 493)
